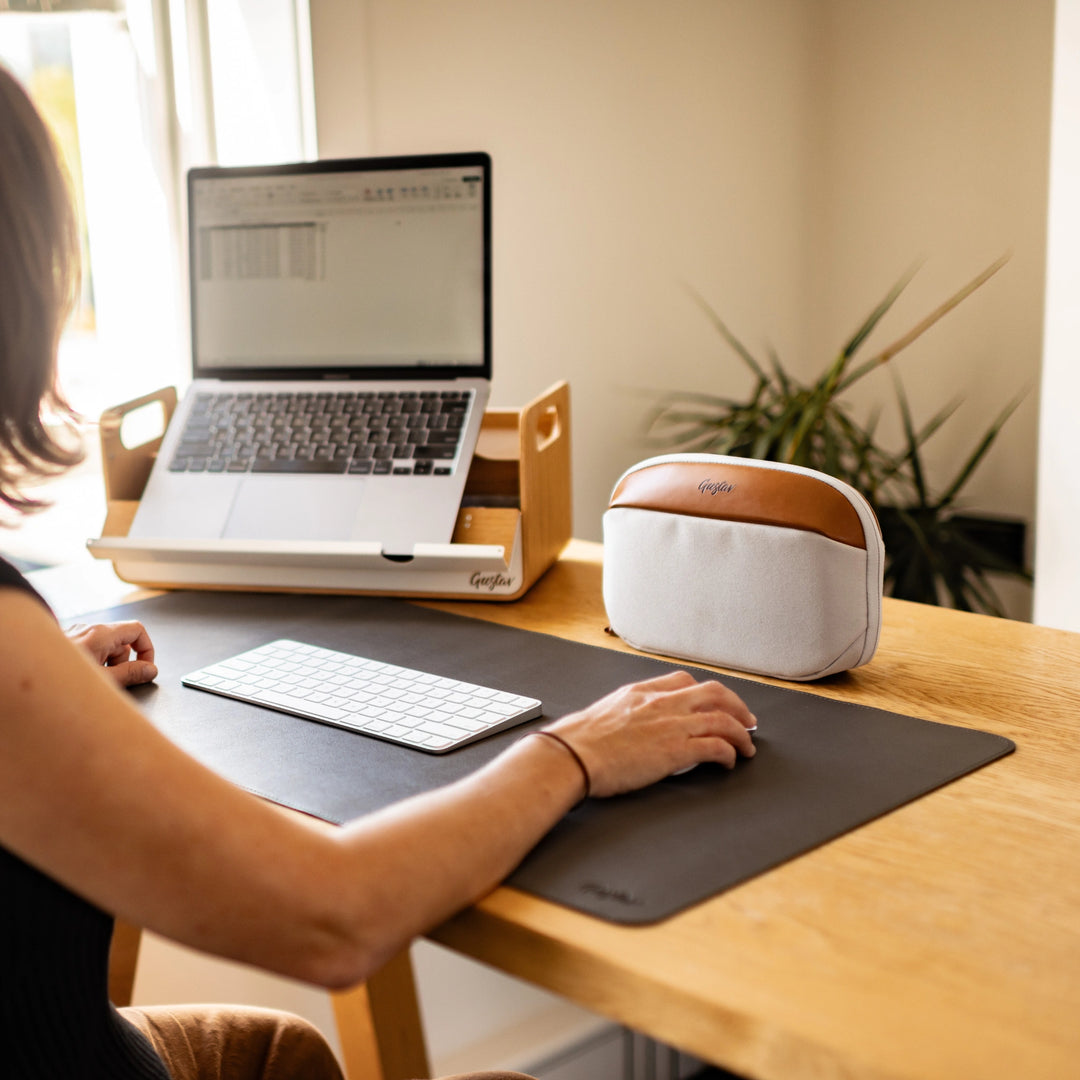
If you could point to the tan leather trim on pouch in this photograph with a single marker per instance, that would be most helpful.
(750, 493)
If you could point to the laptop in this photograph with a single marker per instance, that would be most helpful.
(341, 348)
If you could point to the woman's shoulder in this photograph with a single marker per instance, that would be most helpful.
(11, 576)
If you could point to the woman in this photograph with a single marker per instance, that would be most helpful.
(99, 813)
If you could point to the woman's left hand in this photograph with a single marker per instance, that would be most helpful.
(111, 644)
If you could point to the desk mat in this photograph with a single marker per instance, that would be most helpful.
(822, 767)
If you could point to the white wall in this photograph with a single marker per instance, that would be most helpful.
(788, 158)
(1057, 591)
(934, 146)
(635, 144)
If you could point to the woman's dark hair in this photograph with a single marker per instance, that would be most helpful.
(39, 277)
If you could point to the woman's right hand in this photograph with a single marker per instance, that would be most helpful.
(645, 731)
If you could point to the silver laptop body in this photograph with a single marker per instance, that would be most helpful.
(341, 346)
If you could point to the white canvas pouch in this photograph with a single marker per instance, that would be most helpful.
(752, 565)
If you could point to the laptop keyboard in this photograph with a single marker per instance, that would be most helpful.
(397, 704)
(380, 433)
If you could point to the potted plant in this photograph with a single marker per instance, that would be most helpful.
(934, 553)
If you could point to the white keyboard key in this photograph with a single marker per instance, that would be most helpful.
(502, 708)
(290, 704)
(469, 725)
(433, 742)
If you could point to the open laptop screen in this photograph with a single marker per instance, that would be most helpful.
(364, 268)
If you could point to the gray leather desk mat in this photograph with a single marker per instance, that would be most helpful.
(822, 768)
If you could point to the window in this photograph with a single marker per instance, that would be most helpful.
(92, 78)
(261, 83)
(136, 91)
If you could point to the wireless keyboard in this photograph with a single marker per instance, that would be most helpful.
(397, 704)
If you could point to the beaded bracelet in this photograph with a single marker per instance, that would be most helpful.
(573, 753)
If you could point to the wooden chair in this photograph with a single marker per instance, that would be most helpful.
(378, 1022)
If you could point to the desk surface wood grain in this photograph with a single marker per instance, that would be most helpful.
(940, 941)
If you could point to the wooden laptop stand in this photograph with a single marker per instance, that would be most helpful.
(514, 521)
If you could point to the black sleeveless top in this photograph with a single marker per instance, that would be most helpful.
(56, 1021)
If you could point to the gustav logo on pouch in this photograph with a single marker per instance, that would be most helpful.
(715, 487)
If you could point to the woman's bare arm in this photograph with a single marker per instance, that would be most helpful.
(92, 794)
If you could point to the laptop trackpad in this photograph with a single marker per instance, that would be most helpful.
(294, 508)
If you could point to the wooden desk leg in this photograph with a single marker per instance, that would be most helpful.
(379, 1026)
(123, 960)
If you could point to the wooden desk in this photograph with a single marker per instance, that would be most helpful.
(940, 941)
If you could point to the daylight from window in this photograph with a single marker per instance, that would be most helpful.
(128, 129)
(93, 75)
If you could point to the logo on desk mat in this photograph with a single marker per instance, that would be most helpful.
(611, 892)
(715, 487)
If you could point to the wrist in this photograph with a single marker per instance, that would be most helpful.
(564, 747)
